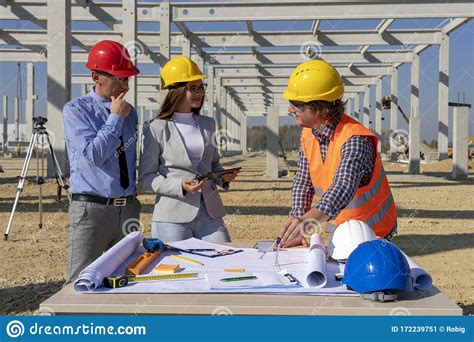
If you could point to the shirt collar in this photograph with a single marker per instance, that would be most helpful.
(99, 99)
(325, 131)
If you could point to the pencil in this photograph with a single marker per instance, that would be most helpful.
(187, 260)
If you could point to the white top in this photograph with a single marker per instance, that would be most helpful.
(191, 136)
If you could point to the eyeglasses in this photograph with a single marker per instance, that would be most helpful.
(196, 90)
(112, 77)
(298, 107)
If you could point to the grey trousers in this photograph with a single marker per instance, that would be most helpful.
(93, 228)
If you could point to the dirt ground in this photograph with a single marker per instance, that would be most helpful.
(436, 228)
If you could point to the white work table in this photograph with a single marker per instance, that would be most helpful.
(69, 302)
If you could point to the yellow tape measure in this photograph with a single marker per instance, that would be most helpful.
(122, 281)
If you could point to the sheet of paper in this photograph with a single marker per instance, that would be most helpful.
(317, 266)
(92, 276)
(263, 280)
(421, 279)
(293, 260)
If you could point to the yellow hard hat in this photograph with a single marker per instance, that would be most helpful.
(314, 80)
(179, 69)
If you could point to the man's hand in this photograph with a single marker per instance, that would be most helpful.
(192, 185)
(289, 229)
(119, 106)
(292, 233)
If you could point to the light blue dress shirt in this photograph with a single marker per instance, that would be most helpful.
(92, 138)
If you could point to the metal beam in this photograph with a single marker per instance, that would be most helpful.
(230, 57)
(323, 10)
(85, 39)
(285, 71)
(338, 56)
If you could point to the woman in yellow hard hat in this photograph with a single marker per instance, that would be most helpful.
(178, 145)
(339, 166)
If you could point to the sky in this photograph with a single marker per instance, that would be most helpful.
(461, 65)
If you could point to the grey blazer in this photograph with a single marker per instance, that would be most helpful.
(164, 162)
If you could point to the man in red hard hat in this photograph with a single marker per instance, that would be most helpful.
(100, 134)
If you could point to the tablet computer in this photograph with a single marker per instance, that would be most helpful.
(216, 174)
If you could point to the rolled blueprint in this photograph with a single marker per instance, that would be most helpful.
(93, 275)
(317, 268)
(421, 279)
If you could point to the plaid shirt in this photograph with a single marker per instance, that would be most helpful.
(355, 170)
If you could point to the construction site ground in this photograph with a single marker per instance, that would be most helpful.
(436, 227)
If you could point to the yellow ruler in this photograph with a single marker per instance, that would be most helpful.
(122, 281)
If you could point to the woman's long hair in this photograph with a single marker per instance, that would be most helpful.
(175, 95)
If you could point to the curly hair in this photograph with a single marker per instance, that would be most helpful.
(329, 111)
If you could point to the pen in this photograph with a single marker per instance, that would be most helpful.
(201, 250)
(239, 278)
(277, 242)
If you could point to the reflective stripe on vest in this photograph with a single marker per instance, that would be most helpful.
(374, 219)
(364, 198)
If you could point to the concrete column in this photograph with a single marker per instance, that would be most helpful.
(357, 107)
(59, 77)
(378, 113)
(30, 99)
(414, 129)
(237, 127)
(129, 37)
(230, 122)
(224, 131)
(243, 133)
(186, 44)
(349, 107)
(218, 101)
(238, 131)
(5, 124)
(394, 110)
(414, 146)
(460, 142)
(199, 61)
(141, 122)
(17, 118)
(165, 37)
(443, 94)
(272, 141)
(210, 92)
(366, 112)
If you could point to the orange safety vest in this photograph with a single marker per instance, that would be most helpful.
(372, 203)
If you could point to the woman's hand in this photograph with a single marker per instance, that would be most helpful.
(229, 177)
(192, 185)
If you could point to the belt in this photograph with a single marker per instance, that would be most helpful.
(116, 202)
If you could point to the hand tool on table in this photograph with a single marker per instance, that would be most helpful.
(157, 245)
(122, 281)
(139, 265)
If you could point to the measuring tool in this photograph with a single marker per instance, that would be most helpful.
(139, 265)
(122, 281)
(153, 245)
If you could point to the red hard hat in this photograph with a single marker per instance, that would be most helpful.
(111, 57)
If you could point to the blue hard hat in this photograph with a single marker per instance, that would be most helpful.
(377, 265)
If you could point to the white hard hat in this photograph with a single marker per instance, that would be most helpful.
(347, 237)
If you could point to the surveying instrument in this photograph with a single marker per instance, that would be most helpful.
(39, 138)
